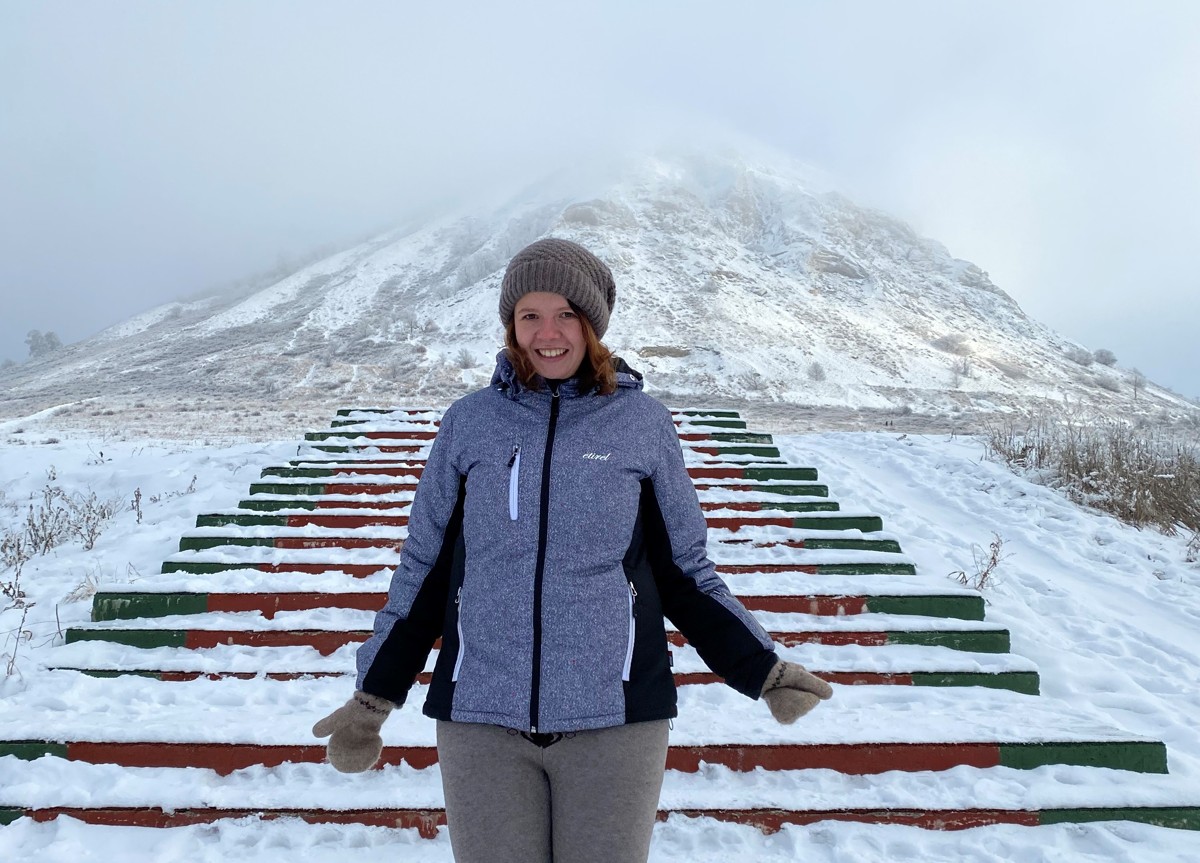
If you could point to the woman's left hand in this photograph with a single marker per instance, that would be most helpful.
(790, 691)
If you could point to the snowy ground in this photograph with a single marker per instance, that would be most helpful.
(1108, 613)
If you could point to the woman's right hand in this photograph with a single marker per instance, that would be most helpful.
(353, 732)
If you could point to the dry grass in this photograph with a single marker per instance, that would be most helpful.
(984, 572)
(1147, 476)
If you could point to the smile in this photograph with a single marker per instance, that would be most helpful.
(550, 353)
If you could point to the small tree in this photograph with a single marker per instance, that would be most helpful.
(41, 343)
(1105, 357)
(816, 372)
(1139, 383)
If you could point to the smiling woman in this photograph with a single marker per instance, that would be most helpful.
(554, 526)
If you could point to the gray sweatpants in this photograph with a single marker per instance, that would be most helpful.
(590, 797)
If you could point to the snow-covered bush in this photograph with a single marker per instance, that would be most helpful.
(1105, 357)
(1079, 355)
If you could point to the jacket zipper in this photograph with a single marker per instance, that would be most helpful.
(625, 672)
(543, 524)
(461, 646)
(514, 473)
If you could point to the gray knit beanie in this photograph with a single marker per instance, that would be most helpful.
(564, 268)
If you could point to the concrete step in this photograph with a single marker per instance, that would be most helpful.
(204, 724)
(112, 604)
(328, 628)
(351, 532)
(895, 665)
(413, 469)
(400, 502)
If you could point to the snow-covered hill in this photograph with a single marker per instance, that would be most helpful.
(737, 278)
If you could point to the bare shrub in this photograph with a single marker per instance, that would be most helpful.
(1105, 357)
(88, 513)
(1079, 355)
(47, 524)
(816, 372)
(1106, 383)
(1192, 551)
(1144, 476)
(983, 575)
(466, 359)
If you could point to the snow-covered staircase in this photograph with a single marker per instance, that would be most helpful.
(220, 666)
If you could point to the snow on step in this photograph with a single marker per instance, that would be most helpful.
(734, 555)
(56, 782)
(349, 620)
(818, 658)
(741, 583)
(133, 709)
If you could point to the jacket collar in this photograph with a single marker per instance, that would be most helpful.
(504, 378)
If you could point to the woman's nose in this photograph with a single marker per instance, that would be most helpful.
(547, 328)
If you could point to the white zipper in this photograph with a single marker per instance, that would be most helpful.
(514, 473)
(632, 620)
(458, 662)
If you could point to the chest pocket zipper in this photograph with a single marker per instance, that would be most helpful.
(514, 474)
(625, 672)
(461, 646)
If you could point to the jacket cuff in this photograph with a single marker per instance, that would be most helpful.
(749, 675)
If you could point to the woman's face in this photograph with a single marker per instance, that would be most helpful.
(550, 333)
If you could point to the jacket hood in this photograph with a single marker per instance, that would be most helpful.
(505, 378)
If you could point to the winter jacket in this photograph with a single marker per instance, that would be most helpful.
(549, 535)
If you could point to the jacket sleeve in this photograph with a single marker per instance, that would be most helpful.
(694, 597)
(411, 620)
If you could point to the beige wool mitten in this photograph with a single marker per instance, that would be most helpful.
(353, 732)
(790, 691)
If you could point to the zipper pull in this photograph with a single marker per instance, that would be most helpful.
(633, 594)
(512, 458)
(458, 597)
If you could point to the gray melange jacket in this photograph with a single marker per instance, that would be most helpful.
(548, 537)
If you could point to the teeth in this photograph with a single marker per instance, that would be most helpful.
(552, 352)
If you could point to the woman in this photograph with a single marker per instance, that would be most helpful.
(554, 526)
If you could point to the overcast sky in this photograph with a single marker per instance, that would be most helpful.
(149, 150)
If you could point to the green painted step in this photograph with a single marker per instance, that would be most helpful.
(199, 543)
(1178, 818)
(957, 607)
(1139, 756)
(143, 638)
(8, 816)
(131, 606)
(865, 523)
(1025, 682)
(866, 569)
(28, 750)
